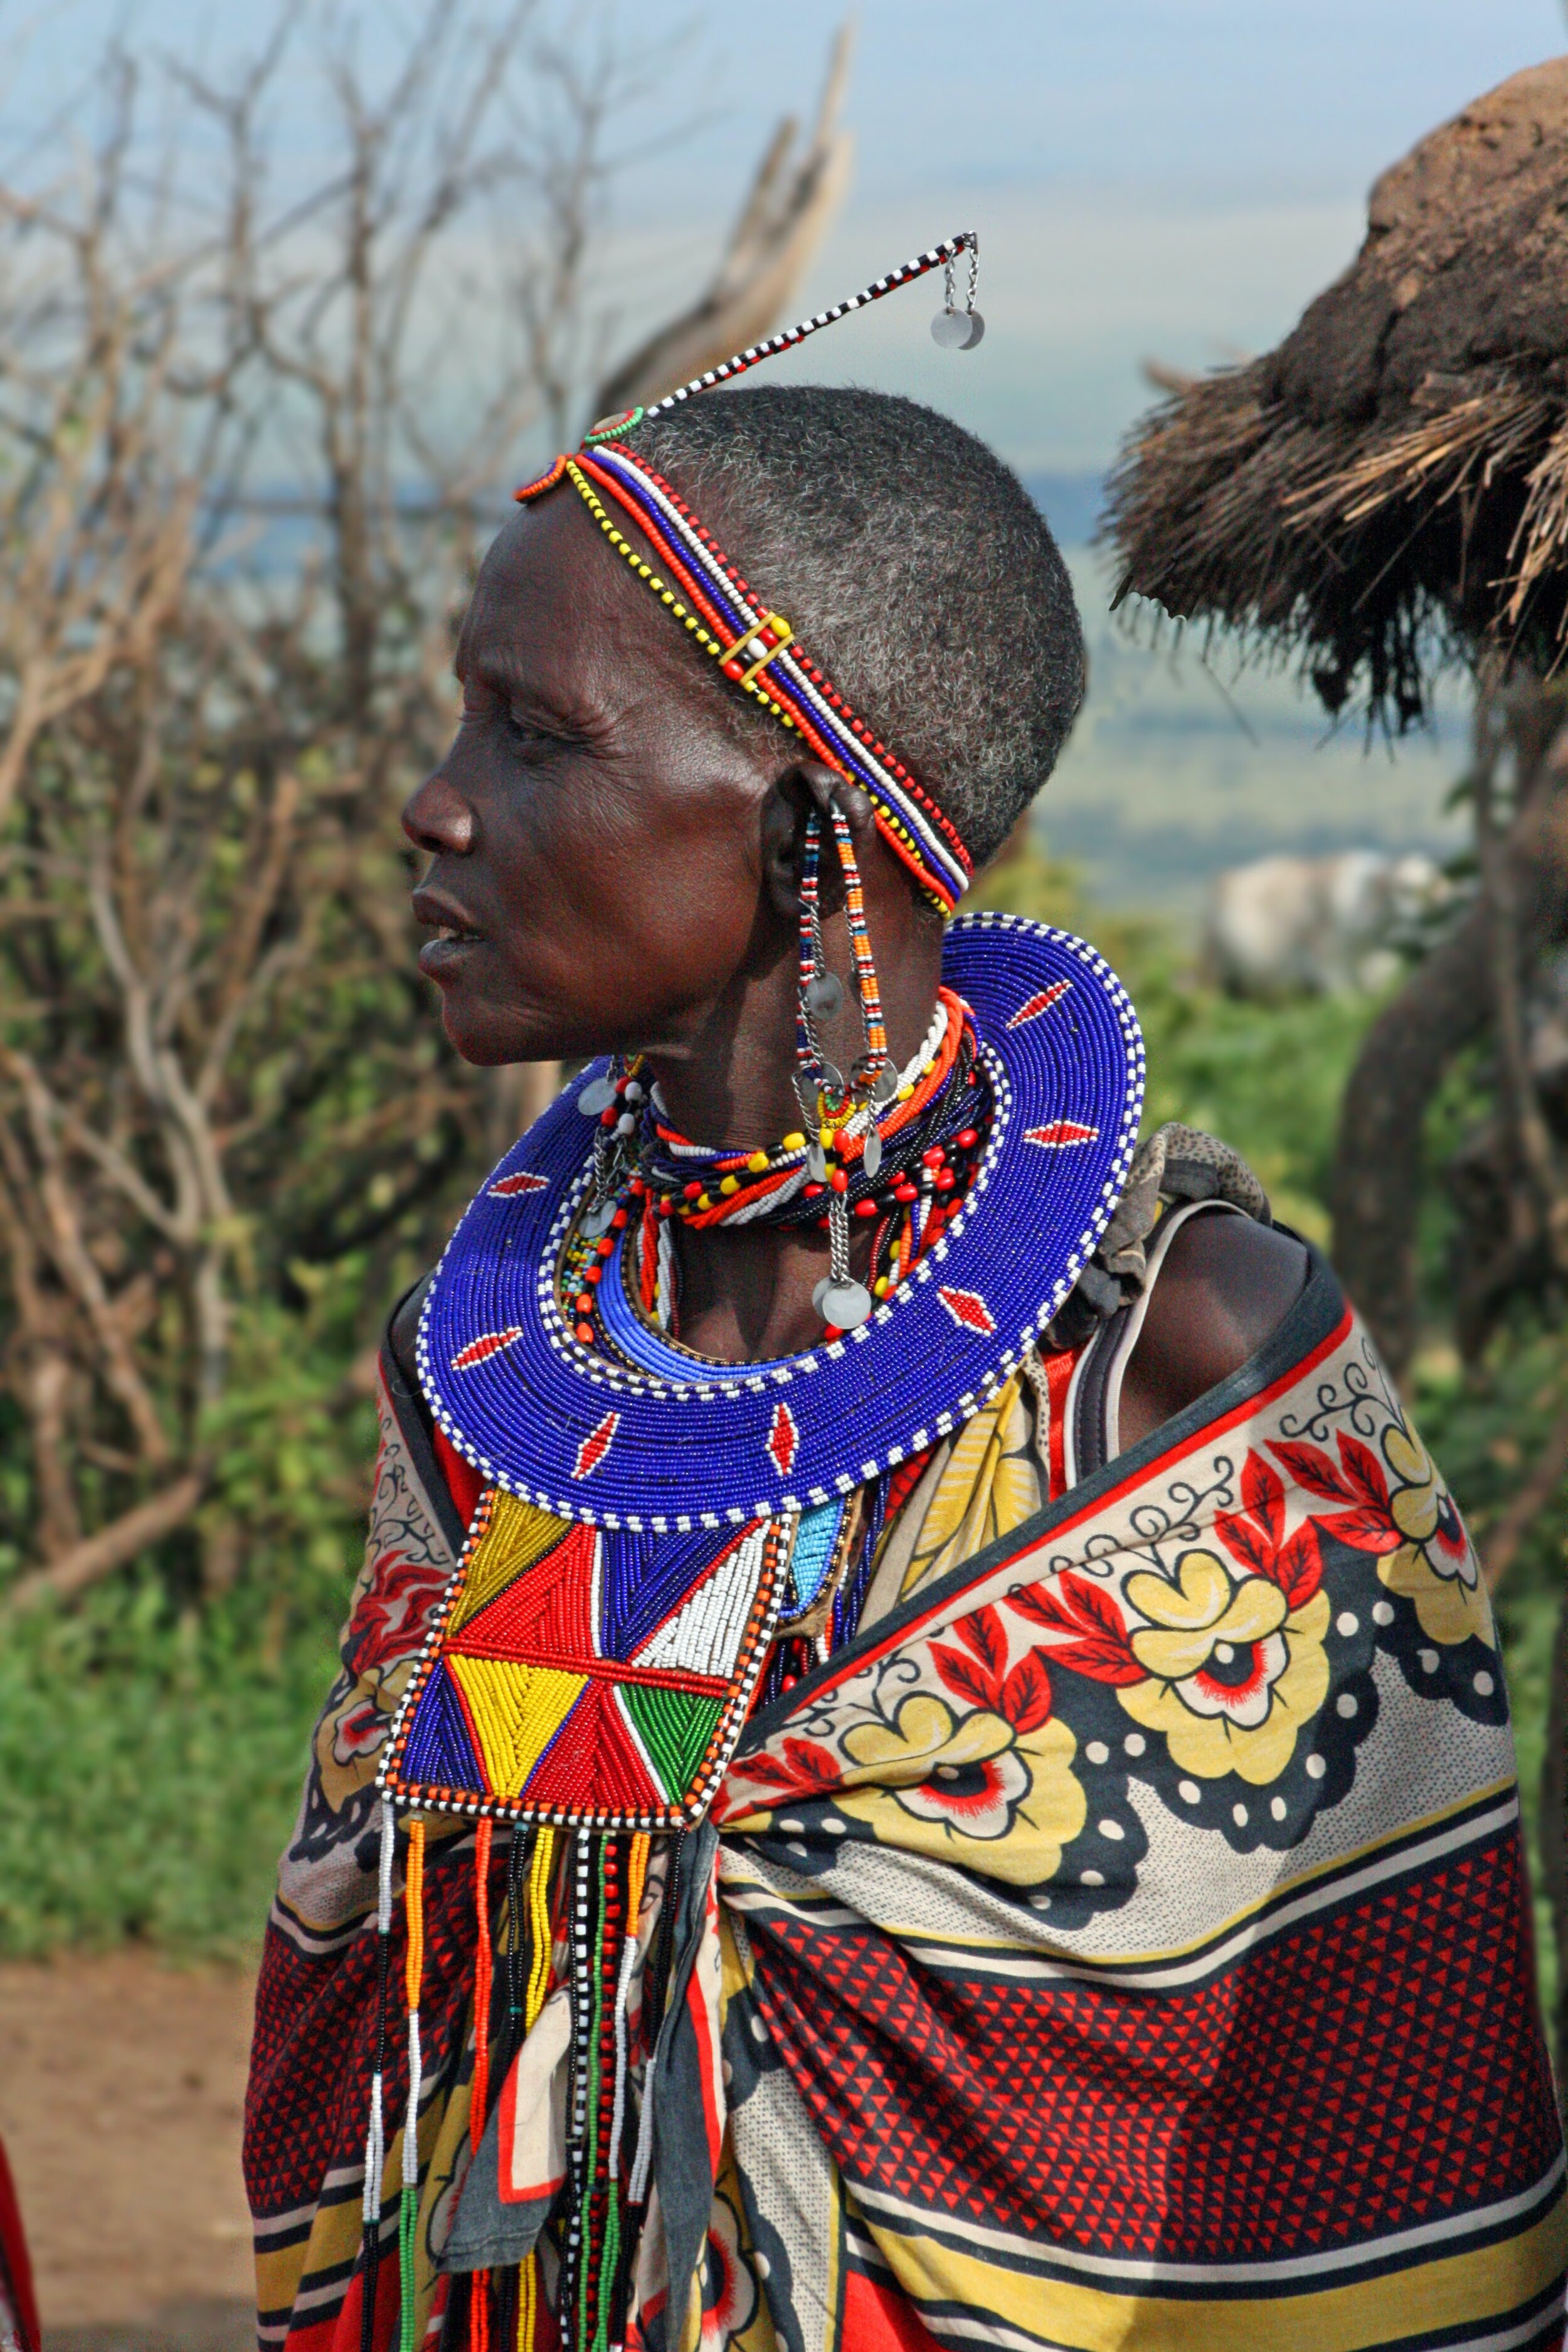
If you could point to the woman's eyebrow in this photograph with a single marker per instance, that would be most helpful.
(502, 675)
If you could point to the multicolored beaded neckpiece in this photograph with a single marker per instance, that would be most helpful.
(887, 1145)
(612, 1438)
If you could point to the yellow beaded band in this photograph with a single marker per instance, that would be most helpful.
(667, 596)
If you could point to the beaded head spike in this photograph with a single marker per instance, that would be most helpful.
(755, 646)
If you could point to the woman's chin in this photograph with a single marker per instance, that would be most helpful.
(489, 1039)
(491, 1036)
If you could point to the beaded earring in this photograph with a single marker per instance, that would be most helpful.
(839, 1111)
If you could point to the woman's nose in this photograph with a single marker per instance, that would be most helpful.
(437, 818)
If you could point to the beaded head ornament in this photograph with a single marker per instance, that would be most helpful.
(755, 647)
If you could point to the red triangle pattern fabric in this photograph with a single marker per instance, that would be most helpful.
(1363, 2073)
(594, 1761)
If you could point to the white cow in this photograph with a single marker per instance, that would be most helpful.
(1315, 925)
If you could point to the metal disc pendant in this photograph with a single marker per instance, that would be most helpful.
(816, 1164)
(871, 1157)
(820, 1290)
(846, 1304)
(599, 1220)
(595, 1097)
(885, 1085)
(976, 332)
(951, 330)
(824, 994)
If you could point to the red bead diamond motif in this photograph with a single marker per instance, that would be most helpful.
(510, 1186)
(489, 1343)
(1033, 1006)
(1059, 1133)
(783, 1438)
(968, 1310)
(595, 1445)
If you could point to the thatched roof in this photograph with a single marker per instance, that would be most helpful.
(1389, 489)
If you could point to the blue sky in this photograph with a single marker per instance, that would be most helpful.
(1164, 178)
(1176, 177)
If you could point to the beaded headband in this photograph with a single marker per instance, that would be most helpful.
(754, 647)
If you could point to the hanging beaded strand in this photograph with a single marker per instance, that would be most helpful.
(479, 2088)
(818, 993)
(601, 2235)
(376, 2134)
(581, 1972)
(539, 1974)
(877, 1059)
(408, 2210)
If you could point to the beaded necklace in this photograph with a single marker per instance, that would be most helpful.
(821, 1173)
(544, 1416)
(906, 1179)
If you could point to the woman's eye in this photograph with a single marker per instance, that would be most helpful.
(523, 731)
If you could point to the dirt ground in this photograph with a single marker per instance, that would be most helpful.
(121, 2089)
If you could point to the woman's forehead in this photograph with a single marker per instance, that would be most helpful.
(547, 604)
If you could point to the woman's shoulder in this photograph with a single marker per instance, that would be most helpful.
(1225, 1282)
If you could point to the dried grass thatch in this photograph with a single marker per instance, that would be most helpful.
(1388, 491)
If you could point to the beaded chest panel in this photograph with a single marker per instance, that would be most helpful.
(584, 1676)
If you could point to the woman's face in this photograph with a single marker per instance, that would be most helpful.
(595, 831)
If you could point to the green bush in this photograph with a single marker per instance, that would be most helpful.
(153, 1738)
(152, 1763)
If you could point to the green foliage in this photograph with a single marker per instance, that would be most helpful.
(151, 1760)
(153, 1741)
(1265, 1078)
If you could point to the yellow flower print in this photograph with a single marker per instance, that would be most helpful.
(1435, 1568)
(1235, 1673)
(968, 1789)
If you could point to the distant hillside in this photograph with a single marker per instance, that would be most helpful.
(1179, 767)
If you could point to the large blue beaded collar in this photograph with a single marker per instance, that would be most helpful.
(674, 1445)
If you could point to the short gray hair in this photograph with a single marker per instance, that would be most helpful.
(914, 568)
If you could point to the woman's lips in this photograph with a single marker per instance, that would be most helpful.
(446, 955)
(456, 936)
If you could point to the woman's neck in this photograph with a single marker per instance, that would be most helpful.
(746, 1290)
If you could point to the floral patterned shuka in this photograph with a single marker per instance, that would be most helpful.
(1139, 1903)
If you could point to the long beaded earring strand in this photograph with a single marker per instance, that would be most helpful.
(842, 1112)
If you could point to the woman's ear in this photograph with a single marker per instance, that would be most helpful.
(808, 787)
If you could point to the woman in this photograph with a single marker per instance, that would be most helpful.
(925, 1694)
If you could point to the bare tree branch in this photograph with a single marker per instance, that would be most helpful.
(782, 222)
(90, 1561)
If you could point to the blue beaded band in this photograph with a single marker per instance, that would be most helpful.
(668, 1443)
